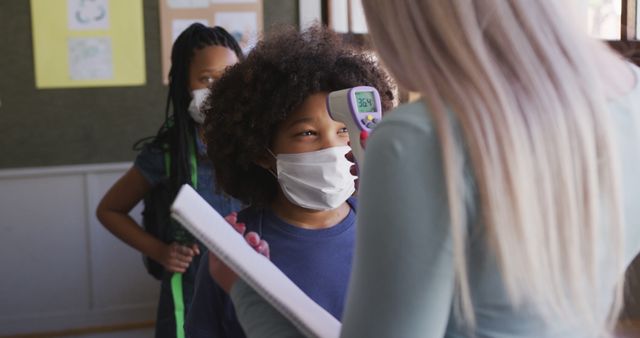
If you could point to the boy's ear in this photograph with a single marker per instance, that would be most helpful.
(266, 161)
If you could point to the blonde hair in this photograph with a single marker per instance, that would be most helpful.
(517, 79)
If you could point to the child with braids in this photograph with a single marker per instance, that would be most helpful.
(274, 147)
(177, 155)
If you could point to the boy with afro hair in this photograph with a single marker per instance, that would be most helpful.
(274, 147)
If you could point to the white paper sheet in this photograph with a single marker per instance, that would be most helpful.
(233, 1)
(179, 4)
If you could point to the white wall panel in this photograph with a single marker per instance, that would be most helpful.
(117, 270)
(43, 250)
(61, 268)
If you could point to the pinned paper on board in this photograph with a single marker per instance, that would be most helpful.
(242, 18)
(179, 25)
(90, 58)
(88, 43)
(88, 14)
(242, 25)
(233, 1)
(188, 3)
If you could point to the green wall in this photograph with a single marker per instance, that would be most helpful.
(89, 125)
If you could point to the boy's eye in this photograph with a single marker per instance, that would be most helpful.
(343, 130)
(307, 133)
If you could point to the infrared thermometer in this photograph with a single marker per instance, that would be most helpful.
(360, 110)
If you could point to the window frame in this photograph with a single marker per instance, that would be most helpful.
(358, 40)
(628, 45)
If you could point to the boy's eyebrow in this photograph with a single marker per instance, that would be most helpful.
(299, 120)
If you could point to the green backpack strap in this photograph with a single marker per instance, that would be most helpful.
(177, 291)
(193, 162)
(178, 303)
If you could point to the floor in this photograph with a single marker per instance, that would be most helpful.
(141, 333)
(140, 330)
(628, 331)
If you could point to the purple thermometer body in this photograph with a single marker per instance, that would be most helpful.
(359, 108)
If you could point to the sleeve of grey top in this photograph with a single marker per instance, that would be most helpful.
(402, 281)
(257, 317)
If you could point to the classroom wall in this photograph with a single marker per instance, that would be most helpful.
(53, 127)
(60, 150)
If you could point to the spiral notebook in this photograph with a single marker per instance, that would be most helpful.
(215, 233)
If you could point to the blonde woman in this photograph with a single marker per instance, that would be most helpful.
(502, 204)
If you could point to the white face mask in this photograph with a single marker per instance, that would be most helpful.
(318, 180)
(196, 105)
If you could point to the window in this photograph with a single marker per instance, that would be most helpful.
(604, 19)
(347, 18)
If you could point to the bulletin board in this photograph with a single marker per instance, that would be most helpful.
(67, 126)
(242, 18)
(88, 43)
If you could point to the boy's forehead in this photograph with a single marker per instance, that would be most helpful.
(313, 107)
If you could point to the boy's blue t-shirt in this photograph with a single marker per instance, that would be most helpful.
(317, 261)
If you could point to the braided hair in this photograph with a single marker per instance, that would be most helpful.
(178, 128)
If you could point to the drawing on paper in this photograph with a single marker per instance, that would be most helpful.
(88, 14)
(90, 58)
